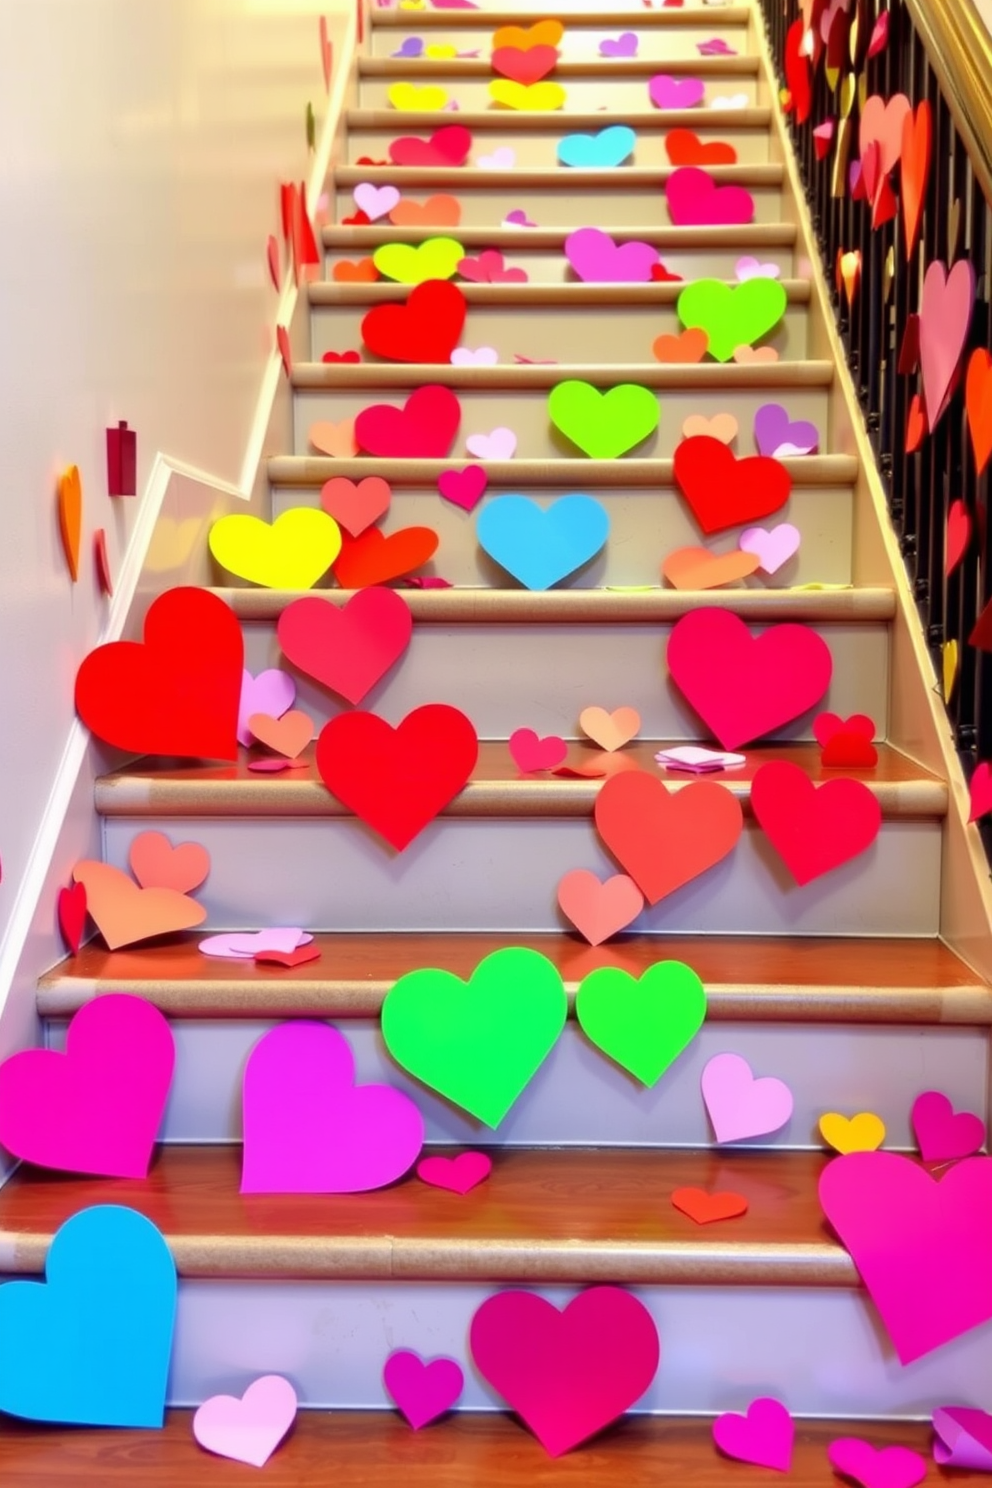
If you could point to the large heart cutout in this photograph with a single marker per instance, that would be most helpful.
(744, 686)
(292, 552)
(732, 315)
(349, 647)
(424, 329)
(375, 558)
(644, 1025)
(125, 914)
(175, 693)
(814, 829)
(446, 147)
(695, 200)
(945, 315)
(725, 491)
(308, 1128)
(684, 147)
(604, 425)
(597, 259)
(478, 1043)
(538, 545)
(423, 429)
(664, 838)
(435, 258)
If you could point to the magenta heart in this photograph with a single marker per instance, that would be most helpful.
(529, 752)
(518, 218)
(596, 258)
(272, 692)
(964, 1438)
(945, 315)
(921, 1245)
(308, 1128)
(715, 47)
(488, 268)
(695, 200)
(423, 1391)
(750, 268)
(457, 1174)
(942, 1134)
(465, 487)
(624, 45)
(676, 93)
(763, 1437)
(773, 428)
(889, 1467)
(980, 790)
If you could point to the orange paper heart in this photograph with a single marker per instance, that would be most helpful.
(978, 401)
(690, 346)
(374, 558)
(684, 147)
(288, 735)
(335, 439)
(610, 730)
(705, 1207)
(916, 425)
(71, 517)
(722, 426)
(125, 914)
(542, 33)
(698, 568)
(436, 211)
(363, 271)
(156, 864)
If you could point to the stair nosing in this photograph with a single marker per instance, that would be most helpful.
(310, 470)
(384, 18)
(747, 235)
(330, 292)
(315, 376)
(702, 121)
(474, 178)
(745, 65)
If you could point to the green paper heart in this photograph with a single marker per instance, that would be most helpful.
(480, 1042)
(732, 315)
(604, 425)
(435, 258)
(644, 1025)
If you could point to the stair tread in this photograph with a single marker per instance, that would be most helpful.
(425, 69)
(749, 235)
(701, 121)
(903, 788)
(706, 377)
(372, 1449)
(567, 1214)
(383, 18)
(314, 470)
(329, 292)
(469, 177)
(747, 978)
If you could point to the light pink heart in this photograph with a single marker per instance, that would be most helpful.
(943, 1134)
(888, 1467)
(764, 1436)
(595, 257)
(502, 159)
(945, 315)
(695, 200)
(375, 201)
(423, 1390)
(482, 356)
(530, 752)
(773, 546)
(500, 444)
(464, 488)
(750, 268)
(247, 1430)
(739, 1105)
(242, 946)
(272, 692)
(457, 1174)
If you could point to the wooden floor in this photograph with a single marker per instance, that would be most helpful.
(373, 1450)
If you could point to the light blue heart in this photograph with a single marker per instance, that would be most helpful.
(610, 146)
(90, 1345)
(541, 545)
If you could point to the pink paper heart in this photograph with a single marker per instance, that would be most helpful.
(500, 444)
(697, 760)
(964, 1438)
(764, 1436)
(676, 93)
(354, 505)
(247, 1430)
(464, 488)
(738, 1104)
(530, 752)
(945, 315)
(888, 1467)
(423, 1390)
(518, 218)
(599, 910)
(774, 546)
(943, 1134)
(880, 35)
(750, 268)
(980, 791)
(624, 45)
(489, 268)
(596, 258)
(482, 356)
(245, 946)
(715, 47)
(457, 1174)
(272, 692)
(375, 201)
(695, 200)
(502, 159)
(921, 1245)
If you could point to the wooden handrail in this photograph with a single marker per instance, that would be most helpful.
(959, 48)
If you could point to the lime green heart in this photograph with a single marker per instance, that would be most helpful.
(604, 425)
(480, 1042)
(644, 1025)
(435, 258)
(731, 315)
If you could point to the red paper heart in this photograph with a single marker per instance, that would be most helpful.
(978, 402)
(175, 693)
(814, 829)
(357, 219)
(705, 1207)
(916, 424)
(909, 350)
(374, 558)
(525, 67)
(797, 73)
(662, 838)
(72, 915)
(272, 259)
(285, 350)
(684, 147)
(398, 780)
(342, 356)
(958, 536)
(426, 328)
(350, 647)
(661, 275)
(827, 726)
(299, 957)
(849, 751)
(914, 158)
(447, 146)
(745, 686)
(724, 491)
(423, 429)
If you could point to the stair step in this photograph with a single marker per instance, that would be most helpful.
(431, 69)
(314, 470)
(588, 85)
(384, 18)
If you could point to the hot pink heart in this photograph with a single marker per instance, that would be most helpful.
(596, 258)
(488, 268)
(423, 429)
(890, 1467)
(423, 1390)
(943, 1134)
(530, 752)
(763, 1437)
(981, 791)
(457, 1174)
(464, 488)
(945, 315)
(964, 1438)
(695, 200)
(676, 93)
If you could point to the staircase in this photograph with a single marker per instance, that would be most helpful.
(843, 989)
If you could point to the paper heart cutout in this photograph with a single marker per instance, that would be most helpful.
(355, 505)
(882, 125)
(739, 1105)
(288, 735)
(530, 752)
(567, 1374)
(764, 1436)
(247, 1429)
(540, 546)
(292, 552)
(177, 691)
(465, 487)
(604, 424)
(772, 547)
(964, 1438)
(353, 271)
(609, 147)
(706, 1208)
(887, 1467)
(300, 957)
(697, 826)
(436, 211)
(542, 97)
(722, 426)
(943, 1134)
(610, 730)
(827, 726)
(347, 358)
(624, 45)
(407, 263)
(336, 440)
(773, 428)
(423, 429)
(542, 33)
(755, 355)
(598, 259)
(482, 356)
(349, 647)
(425, 328)
(921, 1246)
(726, 491)
(643, 1025)
(684, 147)
(489, 268)
(249, 945)
(499, 444)
(749, 268)
(481, 1042)
(661, 275)
(861, 1133)
(698, 761)
(423, 1391)
(980, 791)
(518, 218)
(70, 510)
(272, 691)
(375, 201)
(125, 914)
(688, 347)
(599, 910)
(945, 315)
(676, 93)
(447, 146)
(524, 67)
(502, 158)
(698, 568)
(978, 403)
(156, 864)
(814, 829)
(695, 200)
(71, 911)
(457, 1174)
(916, 145)
(375, 558)
(272, 260)
(428, 99)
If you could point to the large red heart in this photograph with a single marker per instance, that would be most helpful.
(423, 429)
(797, 73)
(525, 67)
(743, 686)
(397, 780)
(813, 828)
(374, 558)
(664, 838)
(177, 691)
(424, 329)
(447, 146)
(348, 647)
(724, 491)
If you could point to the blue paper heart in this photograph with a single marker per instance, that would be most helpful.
(610, 146)
(90, 1345)
(541, 545)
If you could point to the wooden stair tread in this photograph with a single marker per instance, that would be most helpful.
(427, 69)
(521, 378)
(329, 292)
(469, 177)
(565, 1215)
(747, 978)
(383, 18)
(749, 236)
(701, 121)
(903, 788)
(314, 470)
(373, 1449)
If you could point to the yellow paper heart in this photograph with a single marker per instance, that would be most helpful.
(408, 96)
(413, 4)
(441, 52)
(950, 667)
(435, 258)
(541, 96)
(292, 552)
(862, 1133)
(847, 91)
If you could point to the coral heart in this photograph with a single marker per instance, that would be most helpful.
(288, 735)
(336, 440)
(292, 552)
(698, 568)
(308, 1128)
(530, 752)
(435, 258)
(447, 146)
(596, 258)
(978, 403)
(763, 1437)
(465, 487)
(423, 429)
(250, 1428)
(525, 67)
(357, 271)
(375, 558)
(722, 426)
(356, 505)
(862, 1133)
(457, 1174)
(488, 268)
(943, 1134)
(426, 328)
(695, 200)
(125, 914)
(738, 1105)
(688, 347)
(921, 1246)
(945, 315)
(96, 1108)
(599, 910)
(71, 911)
(706, 1208)
(272, 691)
(732, 315)
(350, 647)
(544, 97)
(917, 136)
(744, 686)
(889, 1467)
(397, 780)
(567, 1374)
(755, 355)
(724, 491)
(436, 211)
(604, 424)
(644, 1025)
(882, 124)
(610, 730)
(423, 1391)
(663, 838)
(684, 147)
(814, 829)
(156, 864)
(541, 546)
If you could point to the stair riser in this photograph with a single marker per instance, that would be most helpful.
(642, 529)
(822, 1352)
(579, 1098)
(510, 677)
(579, 43)
(501, 874)
(610, 92)
(611, 333)
(539, 149)
(543, 266)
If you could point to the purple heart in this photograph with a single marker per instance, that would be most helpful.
(890, 1467)
(518, 218)
(964, 1438)
(412, 47)
(716, 47)
(625, 45)
(773, 428)
(596, 258)
(423, 1391)
(272, 692)
(676, 93)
